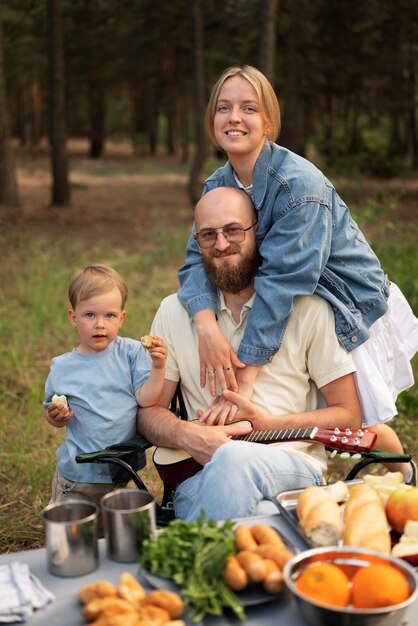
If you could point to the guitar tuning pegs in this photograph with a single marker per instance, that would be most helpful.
(360, 433)
(344, 439)
(356, 441)
(333, 438)
(348, 432)
(345, 455)
(333, 454)
(337, 431)
(356, 456)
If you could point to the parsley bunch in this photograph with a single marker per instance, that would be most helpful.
(193, 554)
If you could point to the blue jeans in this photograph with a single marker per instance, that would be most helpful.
(241, 480)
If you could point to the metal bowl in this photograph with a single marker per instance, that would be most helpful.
(349, 559)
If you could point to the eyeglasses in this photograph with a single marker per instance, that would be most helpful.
(206, 238)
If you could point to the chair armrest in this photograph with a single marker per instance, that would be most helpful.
(115, 451)
(378, 456)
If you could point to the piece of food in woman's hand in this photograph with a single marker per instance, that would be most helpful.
(100, 589)
(167, 600)
(235, 575)
(130, 589)
(266, 534)
(146, 341)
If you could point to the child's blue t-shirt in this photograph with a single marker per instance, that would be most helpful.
(100, 390)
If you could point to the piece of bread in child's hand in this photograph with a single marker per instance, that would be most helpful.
(146, 341)
(61, 401)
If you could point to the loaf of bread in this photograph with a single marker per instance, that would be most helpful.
(365, 523)
(319, 516)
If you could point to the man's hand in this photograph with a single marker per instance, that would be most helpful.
(203, 441)
(217, 357)
(58, 415)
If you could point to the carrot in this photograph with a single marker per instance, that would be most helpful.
(235, 575)
(273, 581)
(253, 565)
(279, 555)
(266, 534)
(244, 539)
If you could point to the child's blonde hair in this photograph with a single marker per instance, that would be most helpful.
(94, 280)
(267, 98)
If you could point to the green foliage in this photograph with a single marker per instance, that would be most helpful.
(193, 554)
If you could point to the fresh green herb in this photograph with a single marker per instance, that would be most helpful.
(193, 554)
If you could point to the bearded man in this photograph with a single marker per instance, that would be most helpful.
(241, 478)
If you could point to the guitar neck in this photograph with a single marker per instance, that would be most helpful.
(279, 434)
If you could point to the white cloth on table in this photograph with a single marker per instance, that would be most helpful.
(383, 361)
(21, 593)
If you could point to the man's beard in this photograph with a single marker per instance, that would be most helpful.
(232, 279)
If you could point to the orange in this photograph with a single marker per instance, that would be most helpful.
(377, 586)
(326, 583)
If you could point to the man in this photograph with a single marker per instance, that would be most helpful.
(239, 478)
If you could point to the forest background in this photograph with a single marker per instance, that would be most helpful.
(103, 154)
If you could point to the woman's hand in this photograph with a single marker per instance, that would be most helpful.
(217, 357)
(247, 410)
(220, 412)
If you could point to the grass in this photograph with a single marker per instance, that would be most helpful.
(33, 328)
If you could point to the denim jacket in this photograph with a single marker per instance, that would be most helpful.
(309, 243)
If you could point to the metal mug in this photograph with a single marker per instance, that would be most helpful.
(129, 519)
(71, 537)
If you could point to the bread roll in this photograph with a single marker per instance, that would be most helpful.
(319, 516)
(365, 523)
(146, 341)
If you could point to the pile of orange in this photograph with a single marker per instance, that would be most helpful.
(374, 586)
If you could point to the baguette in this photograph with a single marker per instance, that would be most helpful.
(319, 516)
(365, 523)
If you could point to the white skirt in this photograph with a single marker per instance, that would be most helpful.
(383, 361)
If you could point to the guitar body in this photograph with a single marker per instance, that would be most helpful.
(175, 465)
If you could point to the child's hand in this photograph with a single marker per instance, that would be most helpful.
(158, 353)
(220, 412)
(58, 415)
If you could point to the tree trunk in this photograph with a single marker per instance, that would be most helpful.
(58, 131)
(268, 38)
(97, 116)
(195, 186)
(8, 185)
(412, 120)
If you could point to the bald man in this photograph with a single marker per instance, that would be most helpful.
(240, 478)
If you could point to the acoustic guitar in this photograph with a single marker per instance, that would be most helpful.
(175, 465)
